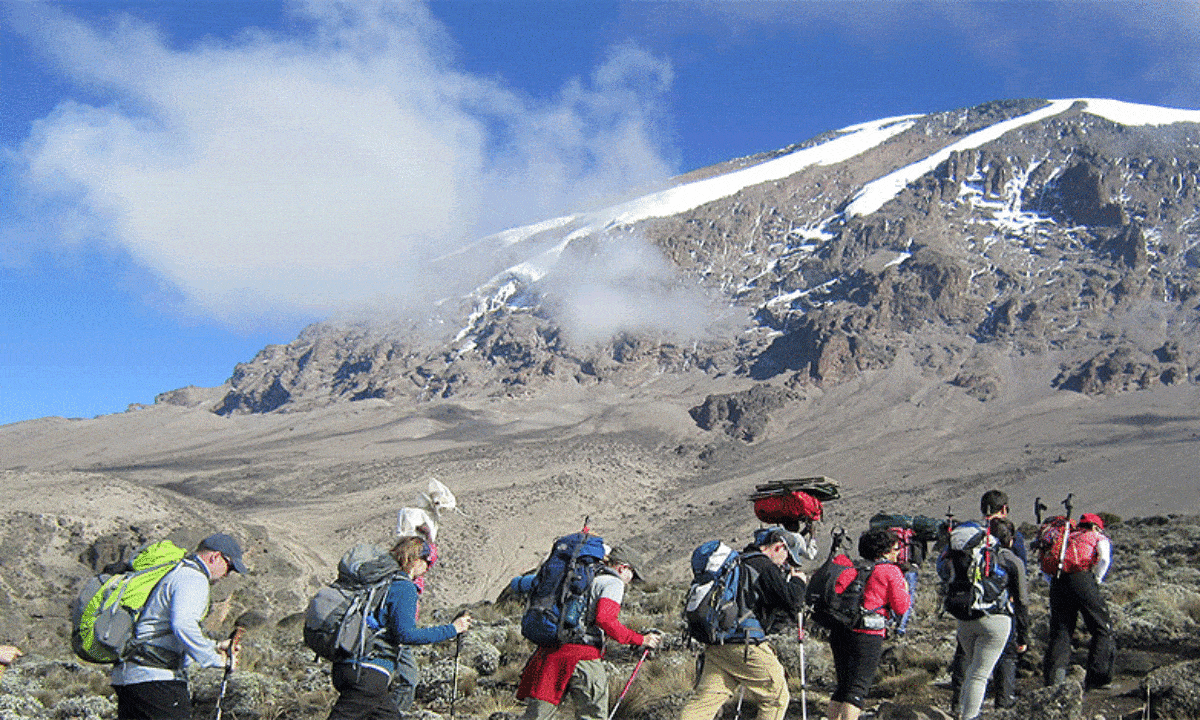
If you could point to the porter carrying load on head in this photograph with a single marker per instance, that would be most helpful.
(795, 505)
(915, 533)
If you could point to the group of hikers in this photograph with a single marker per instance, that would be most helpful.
(737, 600)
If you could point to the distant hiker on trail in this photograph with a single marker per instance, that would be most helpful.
(577, 668)
(856, 651)
(362, 683)
(775, 594)
(992, 504)
(1074, 591)
(987, 632)
(150, 682)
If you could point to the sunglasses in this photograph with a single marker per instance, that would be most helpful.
(427, 554)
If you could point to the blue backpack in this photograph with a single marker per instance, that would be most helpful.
(717, 609)
(557, 608)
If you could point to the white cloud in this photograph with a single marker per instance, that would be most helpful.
(603, 286)
(273, 175)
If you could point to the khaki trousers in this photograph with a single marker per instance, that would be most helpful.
(754, 667)
(588, 690)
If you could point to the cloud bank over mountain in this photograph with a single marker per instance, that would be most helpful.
(311, 173)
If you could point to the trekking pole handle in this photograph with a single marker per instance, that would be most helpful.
(235, 640)
(1067, 504)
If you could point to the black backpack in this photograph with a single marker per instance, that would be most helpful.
(845, 610)
(975, 584)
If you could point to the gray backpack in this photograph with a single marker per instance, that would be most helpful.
(341, 620)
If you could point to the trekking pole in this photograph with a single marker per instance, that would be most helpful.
(1066, 534)
(737, 715)
(803, 678)
(628, 682)
(457, 649)
(234, 638)
(1038, 508)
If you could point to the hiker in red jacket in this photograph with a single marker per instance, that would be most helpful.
(577, 668)
(856, 652)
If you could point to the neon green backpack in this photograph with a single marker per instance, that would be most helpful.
(107, 607)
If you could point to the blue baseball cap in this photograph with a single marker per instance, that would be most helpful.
(228, 547)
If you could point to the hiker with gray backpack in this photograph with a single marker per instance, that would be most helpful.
(366, 619)
(987, 593)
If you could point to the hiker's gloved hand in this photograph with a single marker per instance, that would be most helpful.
(652, 640)
(223, 650)
(462, 623)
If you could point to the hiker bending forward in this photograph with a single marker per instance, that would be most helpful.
(856, 651)
(577, 668)
(775, 592)
(150, 682)
(363, 685)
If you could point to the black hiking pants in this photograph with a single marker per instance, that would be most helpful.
(1073, 595)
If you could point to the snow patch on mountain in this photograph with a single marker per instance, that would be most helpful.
(1132, 114)
(877, 193)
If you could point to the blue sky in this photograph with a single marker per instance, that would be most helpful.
(183, 182)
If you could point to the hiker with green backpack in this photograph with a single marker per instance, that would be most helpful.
(150, 680)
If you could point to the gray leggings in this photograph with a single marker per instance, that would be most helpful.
(982, 641)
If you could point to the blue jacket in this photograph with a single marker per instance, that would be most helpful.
(398, 615)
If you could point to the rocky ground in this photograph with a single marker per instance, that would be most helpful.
(1153, 591)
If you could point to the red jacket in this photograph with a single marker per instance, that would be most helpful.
(546, 674)
(886, 589)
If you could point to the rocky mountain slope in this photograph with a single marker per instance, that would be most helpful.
(1009, 229)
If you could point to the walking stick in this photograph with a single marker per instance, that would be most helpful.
(454, 691)
(803, 679)
(1062, 554)
(234, 639)
(741, 694)
(612, 714)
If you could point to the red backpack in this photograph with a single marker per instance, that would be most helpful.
(786, 507)
(1080, 554)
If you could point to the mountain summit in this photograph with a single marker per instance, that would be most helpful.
(968, 239)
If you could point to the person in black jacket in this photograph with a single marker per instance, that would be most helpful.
(775, 595)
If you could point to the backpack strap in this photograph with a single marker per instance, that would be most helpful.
(141, 651)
